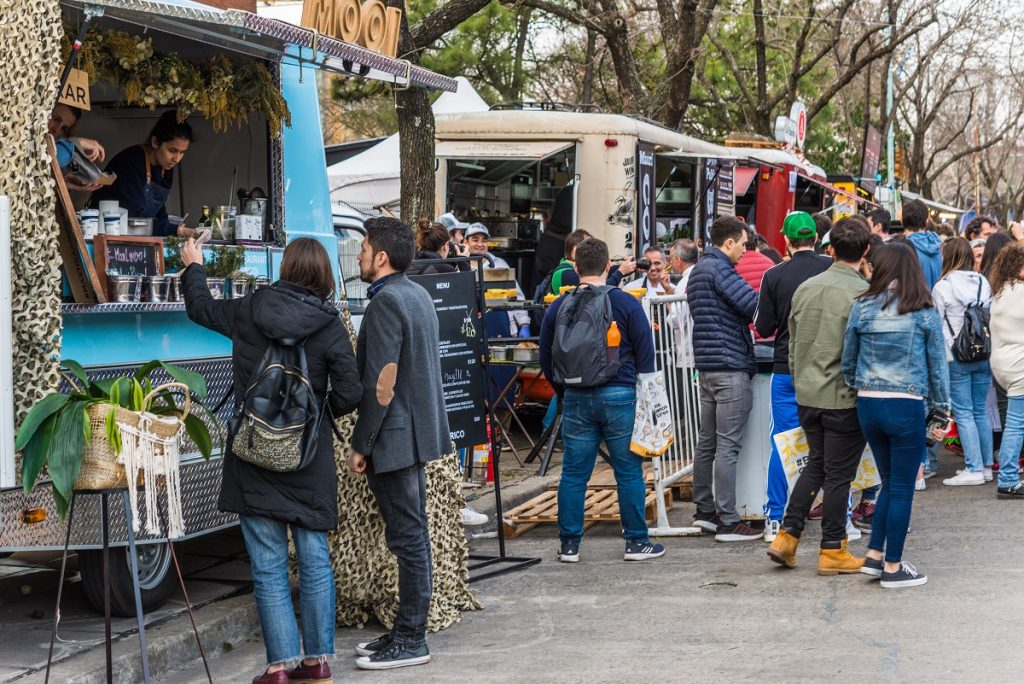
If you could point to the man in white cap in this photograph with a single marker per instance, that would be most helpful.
(476, 237)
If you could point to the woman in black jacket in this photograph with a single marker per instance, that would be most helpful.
(433, 242)
(268, 503)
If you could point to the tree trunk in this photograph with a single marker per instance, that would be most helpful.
(416, 133)
(587, 96)
(517, 65)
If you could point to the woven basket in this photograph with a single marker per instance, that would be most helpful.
(100, 469)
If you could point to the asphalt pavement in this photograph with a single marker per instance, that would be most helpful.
(713, 612)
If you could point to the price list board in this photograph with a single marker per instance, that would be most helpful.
(461, 336)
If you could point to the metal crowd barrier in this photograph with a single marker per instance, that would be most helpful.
(673, 349)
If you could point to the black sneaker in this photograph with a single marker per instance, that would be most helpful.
(1014, 491)
(569, 552)
(638, 551)
(368, 648)
(906, 576)
(395, 655)
(872, 567)
(707, 522)
(738, 531)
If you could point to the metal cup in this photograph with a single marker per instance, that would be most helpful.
(156, 288)
(216, 286)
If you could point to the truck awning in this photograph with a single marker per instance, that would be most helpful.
(932, 204)
(262, 37)
(499, 149)
(840, 192)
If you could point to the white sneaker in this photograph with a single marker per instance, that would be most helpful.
(471, 518)
(986, 473)
(771, 530)
(920, 486)
(852, 532)
(965, 477)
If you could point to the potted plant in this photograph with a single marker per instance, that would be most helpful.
(226, 261)
(241, 284)
(58, 432)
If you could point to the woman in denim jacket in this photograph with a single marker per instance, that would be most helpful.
(894, 355)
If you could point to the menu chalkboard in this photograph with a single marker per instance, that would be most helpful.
(461, 334)
(127, 255)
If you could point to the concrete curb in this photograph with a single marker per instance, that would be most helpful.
(172, 645)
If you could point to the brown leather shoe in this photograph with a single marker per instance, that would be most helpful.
(783, 549)
(838, 561)
(310, 674)
(279, 677)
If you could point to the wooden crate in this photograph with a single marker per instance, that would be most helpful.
(600, 505)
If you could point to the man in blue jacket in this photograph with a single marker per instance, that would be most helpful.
(603, 413)
(722, 306)
(925, 242)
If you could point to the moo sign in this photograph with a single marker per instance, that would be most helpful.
(369, 24)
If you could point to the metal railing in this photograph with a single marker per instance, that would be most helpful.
(673, 350)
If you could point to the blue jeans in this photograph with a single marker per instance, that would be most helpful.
(968, 390)
(589, 416)
(895, 430)
(402, 498)
(266, 541)
(1013, 437)
(784, 418)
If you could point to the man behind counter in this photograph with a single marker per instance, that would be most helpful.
(145, 175)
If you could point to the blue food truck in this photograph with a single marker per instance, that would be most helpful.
(115, 336)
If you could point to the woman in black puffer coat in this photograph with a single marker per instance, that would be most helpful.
(268, 503)
(433, 242)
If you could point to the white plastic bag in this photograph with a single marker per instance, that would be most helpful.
(652, 427)
(793, 451)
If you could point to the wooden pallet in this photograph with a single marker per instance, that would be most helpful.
(604, 478)
(600, 505)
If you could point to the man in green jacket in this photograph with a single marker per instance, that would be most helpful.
(826, 405)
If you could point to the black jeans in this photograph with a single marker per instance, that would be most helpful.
(402, 498)
(835, 445)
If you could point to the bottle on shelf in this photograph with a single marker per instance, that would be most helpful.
(205, 221)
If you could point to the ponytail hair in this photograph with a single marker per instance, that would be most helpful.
(430, 236)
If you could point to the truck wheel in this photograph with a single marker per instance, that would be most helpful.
(156, 578)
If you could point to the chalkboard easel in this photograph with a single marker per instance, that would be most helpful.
(85, 284)
(127, 255)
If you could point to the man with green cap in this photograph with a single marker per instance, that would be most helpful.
(772, 318)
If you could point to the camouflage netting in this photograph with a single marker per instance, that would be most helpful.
(365, 572)
(30, 33)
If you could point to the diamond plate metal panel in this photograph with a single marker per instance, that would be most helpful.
(200, 487)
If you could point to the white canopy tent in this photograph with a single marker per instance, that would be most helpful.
(372, 178)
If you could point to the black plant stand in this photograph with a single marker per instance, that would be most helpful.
(134, 560)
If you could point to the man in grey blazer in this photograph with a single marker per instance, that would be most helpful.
(402, 424)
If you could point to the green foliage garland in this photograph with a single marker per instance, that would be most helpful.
(223, 91)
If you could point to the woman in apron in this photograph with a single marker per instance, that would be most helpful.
(145, 175)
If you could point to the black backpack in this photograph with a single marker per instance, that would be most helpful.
(580, 355)
(973, 342)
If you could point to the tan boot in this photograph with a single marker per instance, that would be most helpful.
(783, 549)
(838, 561)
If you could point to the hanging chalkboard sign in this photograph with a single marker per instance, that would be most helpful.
(127, 255)
(461, 336)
